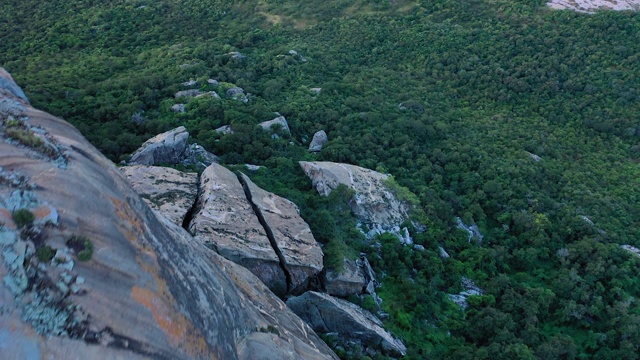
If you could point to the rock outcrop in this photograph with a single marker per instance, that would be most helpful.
(327, 314)
(147, 289)
(170, 192)
(225, 221)
(590, 6)
(291, 235)
(256, 229)
(166, 148)
(319, 140)
(171, 148)
(374, 204)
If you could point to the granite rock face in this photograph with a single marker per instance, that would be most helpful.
(167, 148)
(326, 314)
(374, 204)
(300, 252)
(319, 140)
(225, 221)
(148, 290)
(170, 192)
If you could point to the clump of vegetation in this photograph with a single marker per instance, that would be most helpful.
(23, 217)
(45, 253)
(270, 329)
(82, 246)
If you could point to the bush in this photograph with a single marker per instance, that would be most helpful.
(82, 246)
(23, 217)
(45, 253)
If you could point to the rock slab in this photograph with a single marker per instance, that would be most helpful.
(225, 221)
(170, 192)
(292, 235)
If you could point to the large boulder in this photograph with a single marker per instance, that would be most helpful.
(171, 192)
(165, 148)
(318, 141)
(374, 204)
(279, 121)
(225, 221)
(195, 154)
(146, 290)
(326, 314)
(292, 236)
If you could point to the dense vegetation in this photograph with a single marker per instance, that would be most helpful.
(456, 99)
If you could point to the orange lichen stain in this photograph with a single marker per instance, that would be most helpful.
(130, 223)
(7, 219)
(171, 324)
(179, 330)
(42, 211)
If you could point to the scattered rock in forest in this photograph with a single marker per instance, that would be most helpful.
(179, 108)
(316, 90)
(213, 94)
(535, 157)
(443, 253)
(213, 82)
(319, 140)
(472, 230)
(279, 121)
(187, 93)
(190, 83)
(226, 129)
(631, 248)
(470, 289)
(236, 55)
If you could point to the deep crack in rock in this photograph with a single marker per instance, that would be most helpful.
(267, 230)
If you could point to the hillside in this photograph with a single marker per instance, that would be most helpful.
(506, 115)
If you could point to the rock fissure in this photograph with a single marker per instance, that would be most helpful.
(268, 231)
(188, 217)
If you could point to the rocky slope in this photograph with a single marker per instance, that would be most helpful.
(147, 290)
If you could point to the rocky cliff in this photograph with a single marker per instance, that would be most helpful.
(145, 288)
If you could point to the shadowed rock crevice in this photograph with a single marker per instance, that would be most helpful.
(188, 217)
(267, 229)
